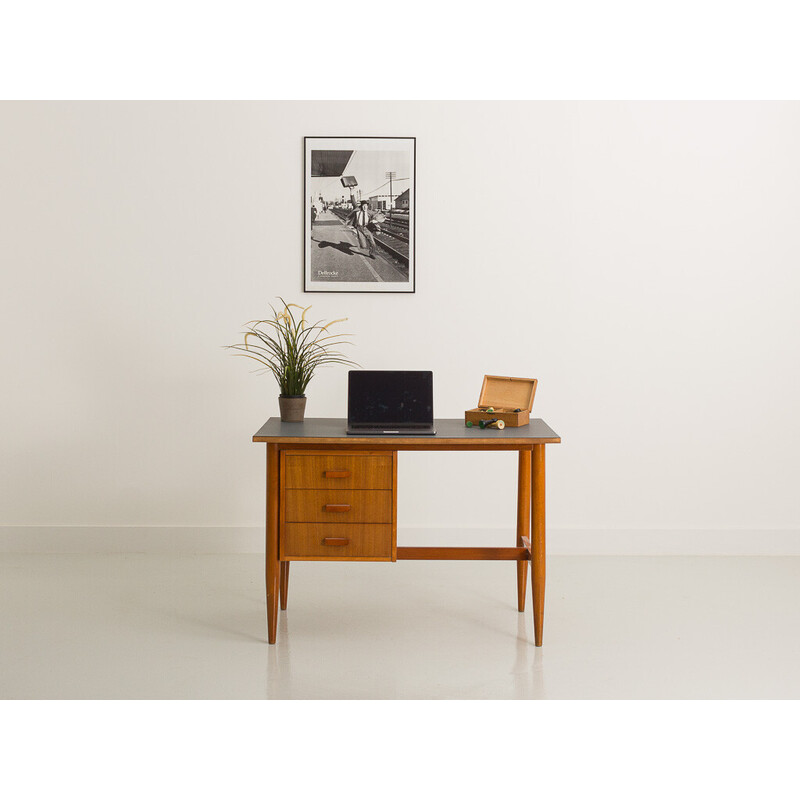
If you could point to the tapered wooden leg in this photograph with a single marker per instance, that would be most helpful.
(273, 568)
(523, 522)
(284, 583)
(537, 542)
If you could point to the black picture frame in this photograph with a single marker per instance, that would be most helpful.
(338, 258)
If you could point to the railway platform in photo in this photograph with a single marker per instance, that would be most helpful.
(336, 256)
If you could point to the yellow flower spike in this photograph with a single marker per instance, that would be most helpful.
(343, 319)
(288, 314)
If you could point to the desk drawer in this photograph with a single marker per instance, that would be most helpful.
(338, 471)
(337, 506)
(331, 542)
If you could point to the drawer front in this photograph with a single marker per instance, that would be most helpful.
(329, 542)
(338, 471)
(337, 506)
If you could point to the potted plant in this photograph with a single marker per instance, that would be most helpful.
(291, 348)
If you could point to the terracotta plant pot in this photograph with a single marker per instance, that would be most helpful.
(293, 408)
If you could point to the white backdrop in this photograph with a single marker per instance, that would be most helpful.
(639, 259)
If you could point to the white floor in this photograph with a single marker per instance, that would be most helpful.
(168, 626)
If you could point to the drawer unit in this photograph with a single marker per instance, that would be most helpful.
(310, 542)
(337, 505)
(338, 471)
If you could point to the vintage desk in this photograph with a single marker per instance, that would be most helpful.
(333, 497)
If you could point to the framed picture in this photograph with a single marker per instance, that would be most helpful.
(359, 214)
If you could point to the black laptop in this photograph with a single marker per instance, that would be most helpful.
(391, 403)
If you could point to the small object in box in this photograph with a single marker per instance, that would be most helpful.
(492, 423)
(507, 399)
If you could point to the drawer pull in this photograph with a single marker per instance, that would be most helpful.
(334, 541)
(337, 507)
(332, 473)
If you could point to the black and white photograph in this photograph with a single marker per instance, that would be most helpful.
(359, 214)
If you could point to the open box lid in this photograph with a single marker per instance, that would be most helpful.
(500, 392)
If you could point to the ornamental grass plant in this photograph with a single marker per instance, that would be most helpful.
(292, 348)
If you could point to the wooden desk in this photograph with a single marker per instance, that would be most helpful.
(333, 497)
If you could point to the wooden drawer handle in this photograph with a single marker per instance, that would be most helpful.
(338, 507)
(332, 473)
(334, 541)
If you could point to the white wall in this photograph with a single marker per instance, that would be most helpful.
(640, 259)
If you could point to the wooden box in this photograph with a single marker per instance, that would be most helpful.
(504, 395)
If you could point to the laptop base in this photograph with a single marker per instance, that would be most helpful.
(390, 432)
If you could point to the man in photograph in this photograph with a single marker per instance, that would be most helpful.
(360, 217)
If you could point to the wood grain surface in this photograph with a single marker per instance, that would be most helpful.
(307, 542)
(309, 505)
(338, 471)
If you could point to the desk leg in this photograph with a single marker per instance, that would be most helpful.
(273, 564)
(523, 521)
(537, 542)
(284, 583)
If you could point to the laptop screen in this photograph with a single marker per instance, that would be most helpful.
(388, 398)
